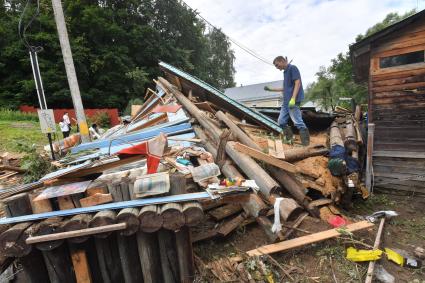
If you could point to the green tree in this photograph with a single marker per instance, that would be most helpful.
(116, 47)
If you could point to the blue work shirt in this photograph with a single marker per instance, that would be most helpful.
(290, 75)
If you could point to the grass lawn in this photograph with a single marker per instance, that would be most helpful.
(13, 133)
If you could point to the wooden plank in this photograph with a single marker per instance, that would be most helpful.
(398, 51)
(395, 75)
(225, 211)
(279, 149)
(405, 154)
(265, 157)
(399, 87)
(96, 199)
(231, 225)
(309, 239)
(80, 264)
(77, 233)
(96, 190)
(272, 147)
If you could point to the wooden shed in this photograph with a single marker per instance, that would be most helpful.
(392, 62)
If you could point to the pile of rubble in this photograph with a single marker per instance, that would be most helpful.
(191, 165)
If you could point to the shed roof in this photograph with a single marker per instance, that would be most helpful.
(360, 51)
(254, 92)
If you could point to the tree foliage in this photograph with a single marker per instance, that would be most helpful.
(116, 47)
(337, 80)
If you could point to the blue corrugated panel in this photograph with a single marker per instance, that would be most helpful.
(262, 119)
(138, 136)
(114, 205)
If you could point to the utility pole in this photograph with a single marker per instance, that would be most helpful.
(70, 70)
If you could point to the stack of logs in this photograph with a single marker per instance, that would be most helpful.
(151, 244)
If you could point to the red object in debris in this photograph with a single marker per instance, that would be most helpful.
(337, 221)
(142, 148)
(166, 108)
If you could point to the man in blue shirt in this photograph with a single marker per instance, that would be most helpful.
(293, 94)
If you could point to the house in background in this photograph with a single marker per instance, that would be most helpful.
(392, 61)
(255, 95)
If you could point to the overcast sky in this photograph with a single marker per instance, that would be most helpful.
(311, 32)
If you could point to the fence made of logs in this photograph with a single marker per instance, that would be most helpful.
(148, 244)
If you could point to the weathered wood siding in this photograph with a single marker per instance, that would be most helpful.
(398, 114)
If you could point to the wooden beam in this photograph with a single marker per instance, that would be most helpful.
(265, 157)
(77, 233)
(309, 239)
(96, 199)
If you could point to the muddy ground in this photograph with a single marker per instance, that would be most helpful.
(325, 261)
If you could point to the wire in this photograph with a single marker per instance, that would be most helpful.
(22, 32)
(241, 46)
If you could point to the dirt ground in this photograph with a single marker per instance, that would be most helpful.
(325, 261)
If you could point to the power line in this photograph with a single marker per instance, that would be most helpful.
(240, 45)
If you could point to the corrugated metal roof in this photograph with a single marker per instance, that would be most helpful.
(254, 92)
(260, 118)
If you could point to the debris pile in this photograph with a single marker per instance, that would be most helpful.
(190, 165)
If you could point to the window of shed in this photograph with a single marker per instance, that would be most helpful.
(402, 59)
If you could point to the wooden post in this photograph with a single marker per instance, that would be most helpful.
(150, 219)
(126, 239)
(89, 247)
(34, 267)
(32, 263)
(109, 259)
(59, 265)
(183, 236)
(77, 222)
(103, 218)
(12, 241)
(172, 215)
(193, 213)
(350, 135)
(130, 216)
(46, 227)
(149, 257)
(129, 258)
(335, 137)
(80, 264)
(168, 254)
(241, 135)
(369, 159)
(17, 205)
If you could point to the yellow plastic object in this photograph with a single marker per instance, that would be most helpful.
(394, 256)
(363, 255)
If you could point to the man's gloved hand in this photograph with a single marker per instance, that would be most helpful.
(267, 88)
(292, 102)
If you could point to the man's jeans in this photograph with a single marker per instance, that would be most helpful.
(294, 113)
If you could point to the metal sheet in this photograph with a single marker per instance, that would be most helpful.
(269, 123)
(167, 128)
(114, 205)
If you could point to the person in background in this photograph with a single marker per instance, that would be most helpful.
(64, 128)
(93, 132)
(66, 120)
(293, 94)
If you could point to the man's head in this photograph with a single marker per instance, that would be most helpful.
(66, 113)
(280, 62)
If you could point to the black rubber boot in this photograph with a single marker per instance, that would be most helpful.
(305, 137)
(288, 135)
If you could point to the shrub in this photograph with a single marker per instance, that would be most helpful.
(134, 101)
(102, 119)
(34, 163)
(14, 115)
